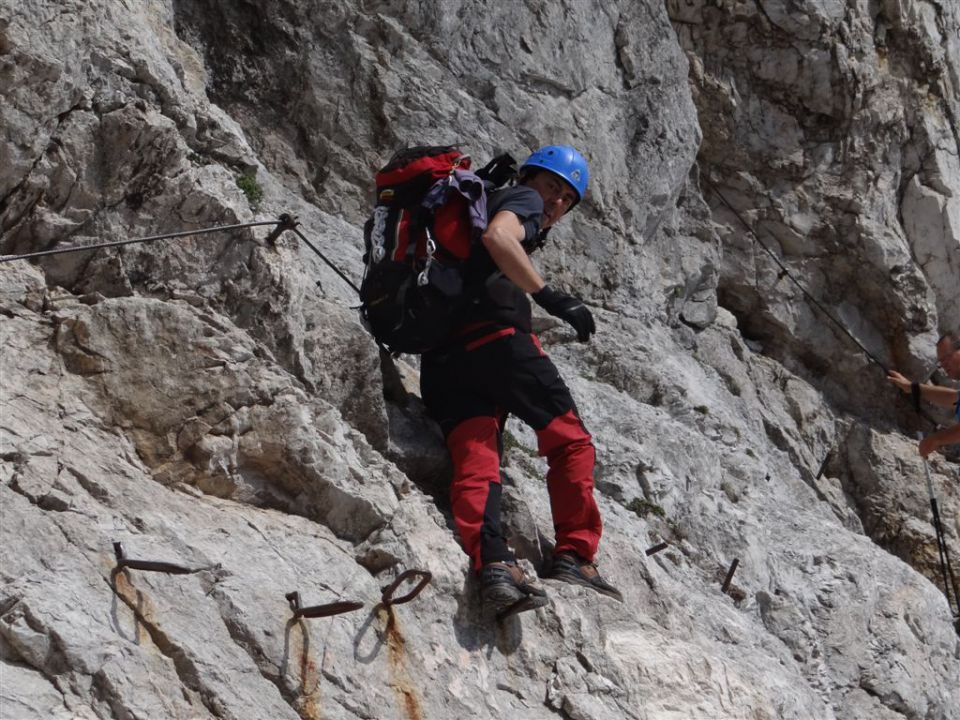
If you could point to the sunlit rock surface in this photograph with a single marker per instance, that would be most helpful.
(213, 402)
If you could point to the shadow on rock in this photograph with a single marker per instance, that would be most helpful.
(358, 641)
(123, 588)
(477, 628)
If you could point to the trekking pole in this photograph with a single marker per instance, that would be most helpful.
(949, 581)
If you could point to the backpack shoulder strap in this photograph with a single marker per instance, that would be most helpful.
(498, 172)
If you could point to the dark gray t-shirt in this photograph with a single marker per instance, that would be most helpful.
(494, 297)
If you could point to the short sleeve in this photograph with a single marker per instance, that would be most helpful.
(522, 201)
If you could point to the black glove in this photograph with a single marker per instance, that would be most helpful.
(569, 308)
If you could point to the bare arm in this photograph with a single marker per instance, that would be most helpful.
(934, 441)
(931, 393)
(503, 239)
(939, 395)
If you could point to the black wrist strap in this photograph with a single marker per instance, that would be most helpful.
(543, 294)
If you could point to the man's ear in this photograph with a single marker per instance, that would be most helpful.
(526, 175)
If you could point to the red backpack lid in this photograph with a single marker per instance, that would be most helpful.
(411, 163)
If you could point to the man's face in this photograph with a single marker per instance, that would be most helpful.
(558, 196)
(948, 357)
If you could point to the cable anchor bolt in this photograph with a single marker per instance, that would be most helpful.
(285, 222)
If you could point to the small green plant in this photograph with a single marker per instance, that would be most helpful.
(643, 508)
(251, 188)
(511, 443)
(702, 409)
(678, 534)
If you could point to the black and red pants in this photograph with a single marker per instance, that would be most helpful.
(470, 391)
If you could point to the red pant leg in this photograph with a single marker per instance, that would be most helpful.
(474, 449)
(570, 454)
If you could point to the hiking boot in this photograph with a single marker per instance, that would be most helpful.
(505, 589)
(571, 568)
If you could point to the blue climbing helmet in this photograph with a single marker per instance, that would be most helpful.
(564, 161)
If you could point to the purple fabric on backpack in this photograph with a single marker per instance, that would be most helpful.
(470, 187)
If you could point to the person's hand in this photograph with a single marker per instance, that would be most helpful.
(899, 380)
(568, 308)
(928, 445)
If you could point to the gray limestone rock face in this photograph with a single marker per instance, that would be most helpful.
(831, 131)
(213, 401)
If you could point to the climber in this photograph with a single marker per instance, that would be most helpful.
(948, 358)
(494, 366)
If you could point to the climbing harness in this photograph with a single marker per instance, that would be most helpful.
(946, 570)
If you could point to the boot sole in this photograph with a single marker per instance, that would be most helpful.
(575, 579)
(530, 602)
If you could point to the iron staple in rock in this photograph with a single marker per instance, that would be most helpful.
(657, 548)
(733, 568)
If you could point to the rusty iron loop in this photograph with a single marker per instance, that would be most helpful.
(148, 565)
(387, 597)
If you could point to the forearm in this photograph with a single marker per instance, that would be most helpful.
(946, 436)
(937, 395)
(513, 261)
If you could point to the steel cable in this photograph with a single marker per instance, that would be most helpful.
(131, 241)
(796, 282)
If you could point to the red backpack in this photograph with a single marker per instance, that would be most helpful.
(430, 211)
